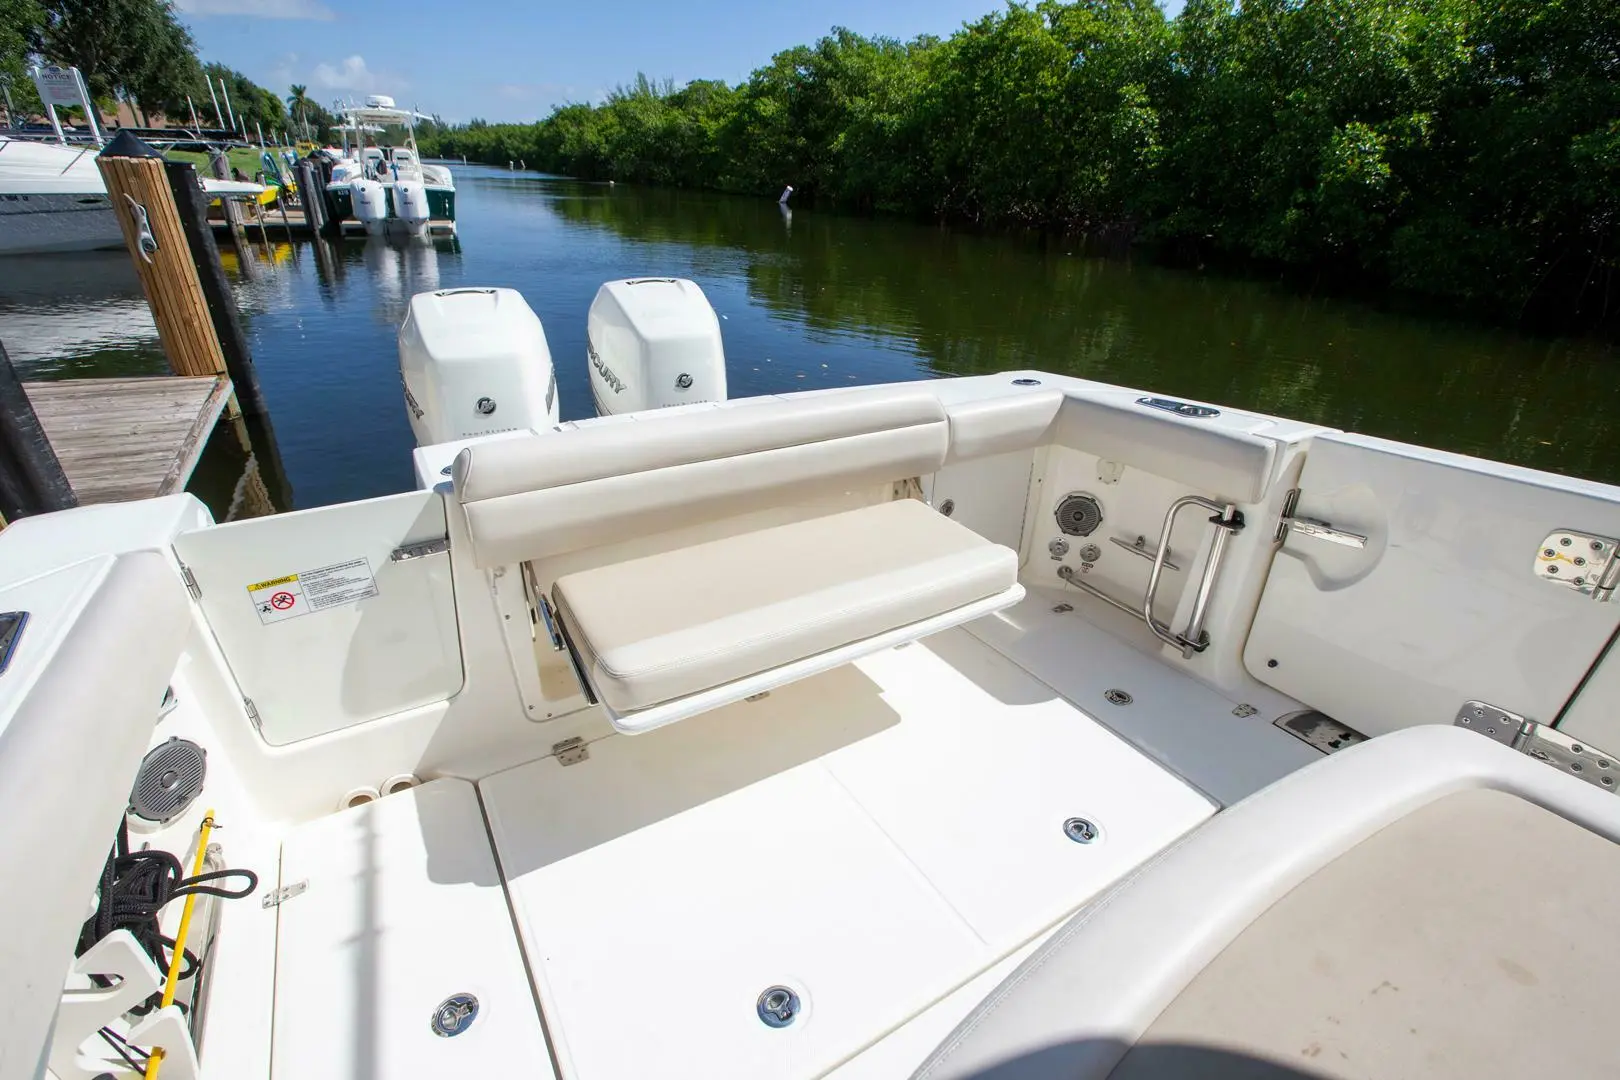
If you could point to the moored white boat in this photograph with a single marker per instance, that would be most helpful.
(53, 199)
(388, 189)
(1016, 725)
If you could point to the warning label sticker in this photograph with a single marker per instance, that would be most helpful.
(298, 594)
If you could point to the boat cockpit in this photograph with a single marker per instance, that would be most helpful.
(1014, 725)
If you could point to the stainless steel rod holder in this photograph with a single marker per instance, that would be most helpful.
(1228, 519)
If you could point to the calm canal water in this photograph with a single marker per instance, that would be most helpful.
(812, 300)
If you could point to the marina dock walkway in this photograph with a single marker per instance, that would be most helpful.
(120, 439)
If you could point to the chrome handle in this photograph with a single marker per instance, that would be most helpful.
(1323, 530)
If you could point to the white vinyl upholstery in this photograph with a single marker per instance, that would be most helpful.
(89, 712)
(1090, 1002)
(534, 497)
(1228, 464)
(656, 628)
(1001, 425)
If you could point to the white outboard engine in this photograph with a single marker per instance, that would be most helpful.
(411, 206)
(475, 362)
(653, 342)
(370, 206)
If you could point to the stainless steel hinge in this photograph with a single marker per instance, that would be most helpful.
(277, 897)
(253, 713)
(1545, 744)
(419, 551)
(1585, 562)
(571, 751)
(191, 582)
(1308, 526)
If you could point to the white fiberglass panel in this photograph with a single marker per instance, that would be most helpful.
(873, 838)
(1443, 603)
(322, 625)
(402, 909)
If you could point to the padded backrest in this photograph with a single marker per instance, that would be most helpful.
(1001, 425)
(1220, 461)
(560, 491)
(96, 687)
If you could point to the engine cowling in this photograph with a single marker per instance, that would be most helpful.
(652, 343)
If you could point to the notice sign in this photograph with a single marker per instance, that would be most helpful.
(298, 594)
(58, 86)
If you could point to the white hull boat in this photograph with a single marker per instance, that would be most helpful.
(388, 190)
(52, 199)
(1007, 726)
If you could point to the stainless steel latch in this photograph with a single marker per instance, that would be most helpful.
(419, 551)
(277, 897)
(1309, 526)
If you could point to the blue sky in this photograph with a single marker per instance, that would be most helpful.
(515, 60)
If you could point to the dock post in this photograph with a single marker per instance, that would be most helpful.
(139, 191)
(31, 477)
(192, 206)
(233, 209)
(312, 193)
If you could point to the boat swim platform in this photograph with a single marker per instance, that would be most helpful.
(270, 223)
(124, 439)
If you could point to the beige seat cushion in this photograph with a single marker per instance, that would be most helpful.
(1473, 938)
(658, 628)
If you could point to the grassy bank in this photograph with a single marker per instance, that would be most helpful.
(243, 158)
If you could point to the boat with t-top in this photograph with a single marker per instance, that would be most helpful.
(382, 189)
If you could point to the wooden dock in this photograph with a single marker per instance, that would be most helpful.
(122, 439)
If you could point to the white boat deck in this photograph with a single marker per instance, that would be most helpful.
(873, 838)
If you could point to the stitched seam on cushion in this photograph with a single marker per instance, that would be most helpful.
(765, 638)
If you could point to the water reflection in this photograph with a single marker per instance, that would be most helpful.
(69, 316)
(809, 300)
(964, 303)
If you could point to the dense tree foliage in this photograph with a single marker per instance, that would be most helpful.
(1464, 150)
(124, 48)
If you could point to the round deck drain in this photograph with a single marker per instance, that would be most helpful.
(1080, 830)
(1117, 697)
(778, 1006)
(454, 1015)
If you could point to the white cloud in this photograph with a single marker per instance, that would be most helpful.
(351, 74)
(259, 9)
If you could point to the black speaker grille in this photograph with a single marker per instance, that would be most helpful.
(171, 776)
(1079, 515)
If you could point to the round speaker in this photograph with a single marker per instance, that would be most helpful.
(1079, 514)
(170, 777)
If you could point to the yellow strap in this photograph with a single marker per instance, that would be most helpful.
(179, 956)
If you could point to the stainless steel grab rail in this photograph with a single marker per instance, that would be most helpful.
(1228, 519)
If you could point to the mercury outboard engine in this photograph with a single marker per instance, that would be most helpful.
(652, 343)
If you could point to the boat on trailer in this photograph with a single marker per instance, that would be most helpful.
(1014, 725)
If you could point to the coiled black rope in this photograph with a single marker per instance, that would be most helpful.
(135, 886)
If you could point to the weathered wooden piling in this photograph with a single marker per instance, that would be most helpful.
(31, 478)
(191, 204)
(312, 194)
(139, 191)
(231, 208)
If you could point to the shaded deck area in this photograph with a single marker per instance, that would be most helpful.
(123, 439)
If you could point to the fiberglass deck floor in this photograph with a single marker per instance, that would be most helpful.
(871, 838)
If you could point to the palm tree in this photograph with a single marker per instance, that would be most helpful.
(297, 100)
